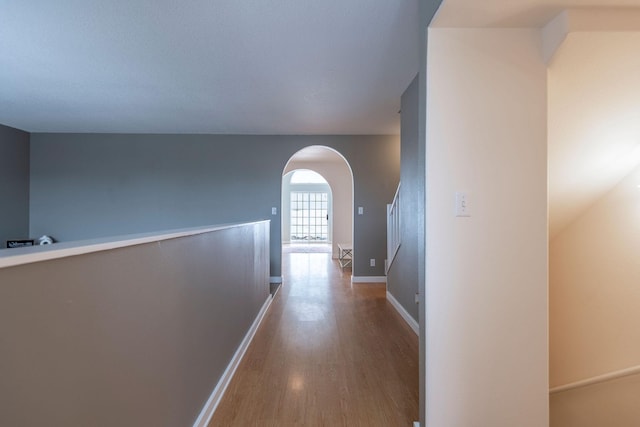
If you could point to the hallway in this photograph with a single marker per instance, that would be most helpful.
(328, 353)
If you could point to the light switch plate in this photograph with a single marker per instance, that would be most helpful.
(462, 204)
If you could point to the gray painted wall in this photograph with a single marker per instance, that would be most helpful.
(14, 184)
(93, 185)
(402, 281)
(135, 336)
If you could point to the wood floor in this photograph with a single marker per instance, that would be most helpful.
(328, 353)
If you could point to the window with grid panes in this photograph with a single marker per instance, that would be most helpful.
(309, 216)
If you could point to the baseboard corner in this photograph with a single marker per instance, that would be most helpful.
(415, 327)
(368, 279)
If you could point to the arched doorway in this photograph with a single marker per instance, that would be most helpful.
(335, 169)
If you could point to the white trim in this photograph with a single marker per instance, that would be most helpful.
(415, 327)
(416, 424)
(216, 396)
(276, 292)
(598, 379)
(394, 226)
(26, 255)
(275, 279)
(368, 279)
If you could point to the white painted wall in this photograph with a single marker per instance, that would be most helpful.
(338, 175)
(612, 403)
(593, 287)
(594, 120)
(486, 283)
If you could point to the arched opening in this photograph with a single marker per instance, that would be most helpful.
(306, 165)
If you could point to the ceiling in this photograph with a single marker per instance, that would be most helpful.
(206, 66)
(594, 120)
(301, 67)
(317, 153)
(512, 13)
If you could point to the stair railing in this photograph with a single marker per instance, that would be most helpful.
(394, 238)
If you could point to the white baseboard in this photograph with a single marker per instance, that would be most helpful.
(405, 315)
(275, 279)
(368, 279)
(216, 396)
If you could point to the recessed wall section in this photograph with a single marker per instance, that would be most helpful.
(14, 184)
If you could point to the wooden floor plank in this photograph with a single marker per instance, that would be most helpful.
(328, 353)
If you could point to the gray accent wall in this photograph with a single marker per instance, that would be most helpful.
(14, 184)
(94, 185)
(402, 281)
(134, 336)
